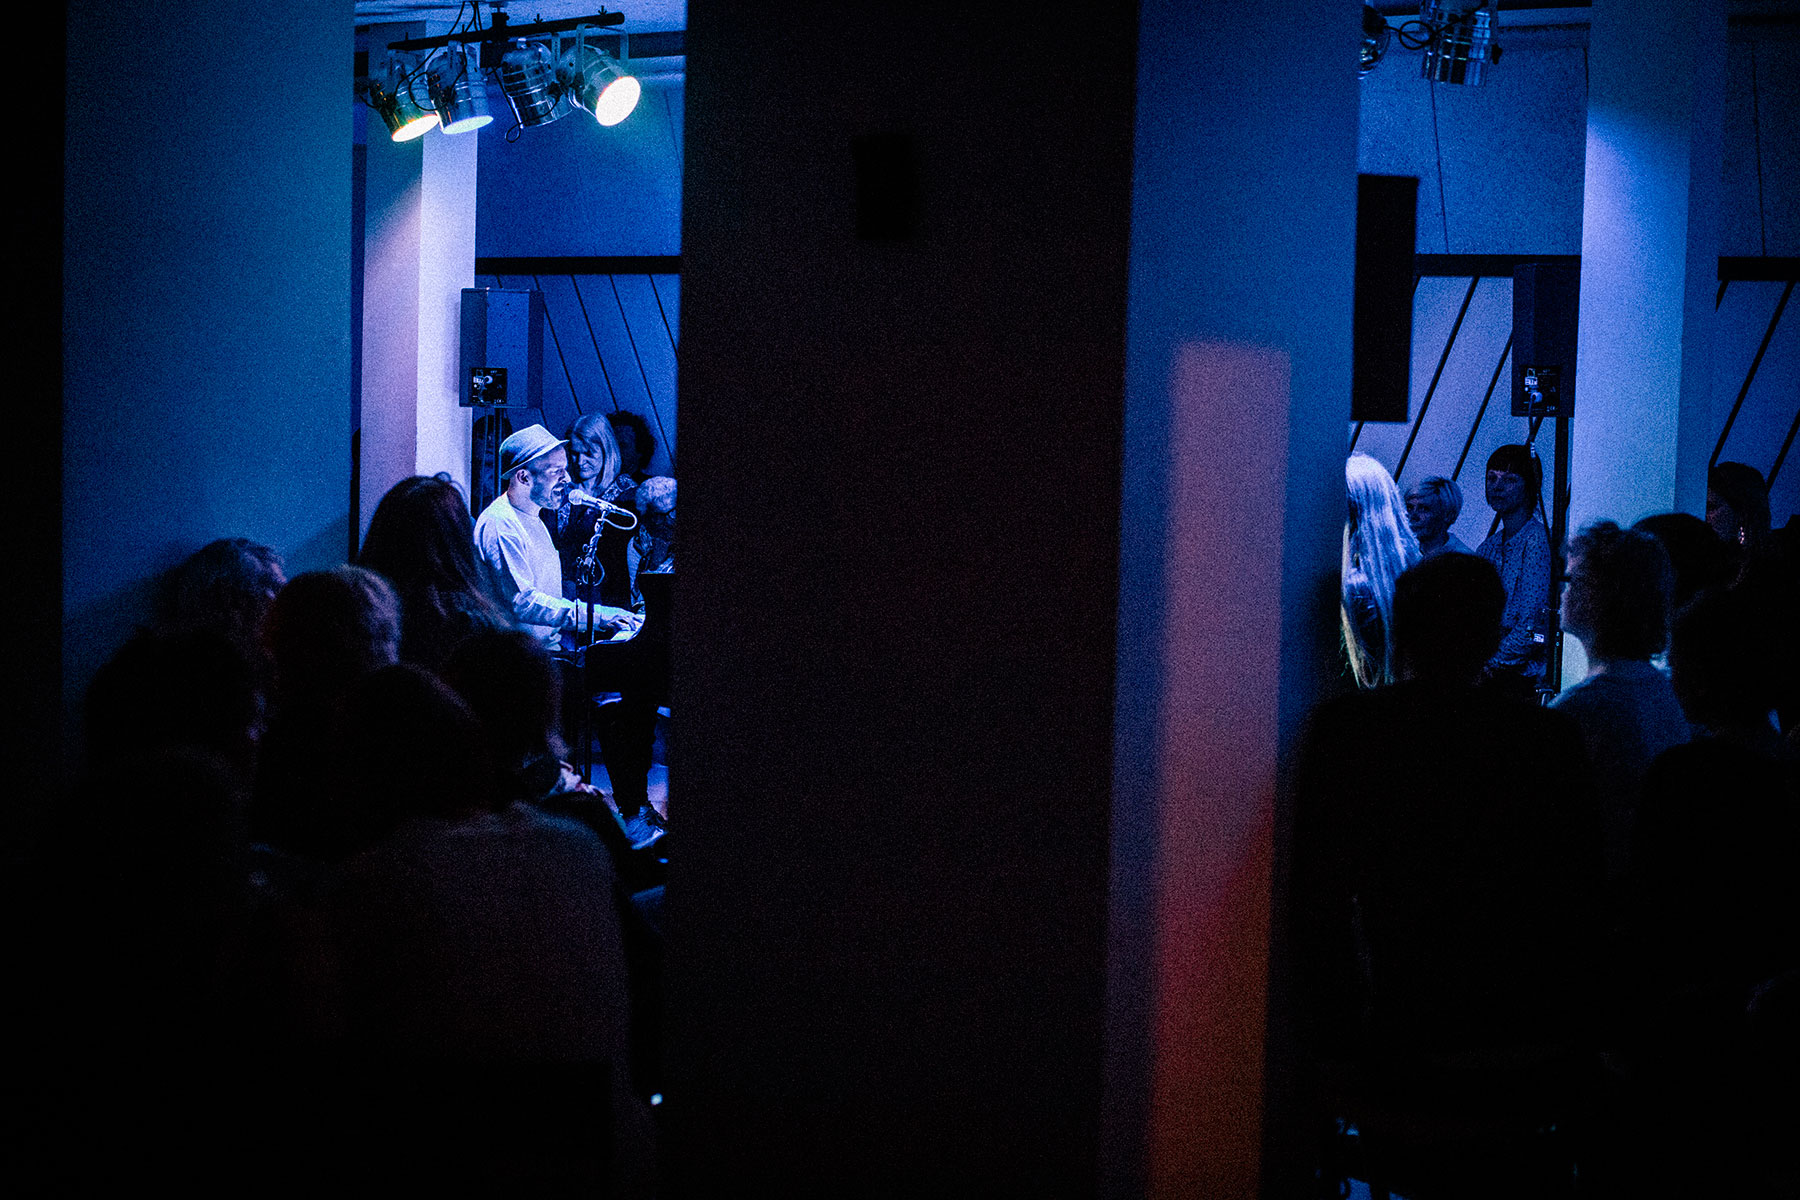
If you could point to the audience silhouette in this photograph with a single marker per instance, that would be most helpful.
(327, 851)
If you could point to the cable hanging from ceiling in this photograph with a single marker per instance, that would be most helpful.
(546, 70)
(1457, 37)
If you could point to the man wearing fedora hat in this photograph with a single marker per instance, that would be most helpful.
(517, 545)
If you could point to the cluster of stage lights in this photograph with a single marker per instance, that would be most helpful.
(543, 82)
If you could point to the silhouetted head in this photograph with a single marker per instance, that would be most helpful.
(636, 443)
(1737, 505)
(1695, 552)
(169, 691)
(1720, 665)
(1620, 590)
(225, 587)
(330, 628)
(1447, 612)
(410, 747)
(509, 682)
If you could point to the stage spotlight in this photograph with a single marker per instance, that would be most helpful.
(529, 82)
(1375, 38)
(594, 82)
(1461, 41)
(458, 91)
(391, 96)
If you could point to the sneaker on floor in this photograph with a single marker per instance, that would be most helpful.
(645, 827)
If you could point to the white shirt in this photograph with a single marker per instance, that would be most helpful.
(518, 546)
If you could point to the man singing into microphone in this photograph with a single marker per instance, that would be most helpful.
(516, 543)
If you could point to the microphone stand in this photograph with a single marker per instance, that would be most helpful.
(589, 573)
(587, 578)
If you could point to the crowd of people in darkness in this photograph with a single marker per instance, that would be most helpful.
(341, 882)
(339, 872)
(1548, 940)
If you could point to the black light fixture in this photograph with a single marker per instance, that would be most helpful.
(593, 82)
(1376, 36)
(529, 81)
(458, 92)
(1457, 37)
(391, 96)
(1461, 41)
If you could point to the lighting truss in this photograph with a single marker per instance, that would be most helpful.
(439, 81)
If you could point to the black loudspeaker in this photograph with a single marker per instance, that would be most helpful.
(502, 348)
(1545, 300)
(1387, 209)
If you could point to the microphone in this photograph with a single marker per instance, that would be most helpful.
(577, 496)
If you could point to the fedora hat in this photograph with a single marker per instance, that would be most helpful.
(531, 442)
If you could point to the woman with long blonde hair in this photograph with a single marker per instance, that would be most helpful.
(594, 463)
(1378, 545)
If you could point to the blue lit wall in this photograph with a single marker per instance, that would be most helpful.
(1512, 162)
(574, 188)
(207, 302)
(1513, 148)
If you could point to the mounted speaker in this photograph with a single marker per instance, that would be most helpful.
(1386, 219)
(502, 355)
(1545, 302)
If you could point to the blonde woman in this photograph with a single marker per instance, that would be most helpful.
(1378, 545)
(593, 472)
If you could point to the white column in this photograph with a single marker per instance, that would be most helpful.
(419, 255)
(1644, 417)
(1237, 388)
(446, 267)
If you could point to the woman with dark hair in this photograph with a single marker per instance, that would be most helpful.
(422, 540)
(1737, 508)
(1695, 551)
(1520, 551)
(637, 446)
(1378, 546)
(326, 631)
(225, 587)
(594, 474)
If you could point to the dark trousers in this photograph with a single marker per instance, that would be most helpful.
(638, 672)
